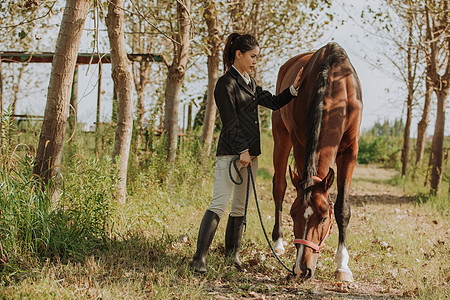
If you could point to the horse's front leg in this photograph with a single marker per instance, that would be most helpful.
(282, 148)
(345, 164)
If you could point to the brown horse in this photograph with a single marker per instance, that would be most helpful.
(322, 126)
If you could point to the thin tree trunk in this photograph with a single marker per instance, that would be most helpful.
(438, 141)
(1, 89)
(16, 89)
(214, 42)
(189, 118)
(407, 130)
(121, 74)
(72, 121)
(1, 108)
(423, 124)
(48, 155)
(175, 78)
(161, 113)
(98, 124)
(141, 78)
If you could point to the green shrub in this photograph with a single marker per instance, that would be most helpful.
(382, 144)
(32, 227)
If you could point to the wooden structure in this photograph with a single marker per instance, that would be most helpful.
(83, 59)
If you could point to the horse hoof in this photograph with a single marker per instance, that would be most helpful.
(198, 266)
(278, 247)
(346, 276)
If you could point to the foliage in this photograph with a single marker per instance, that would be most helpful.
(381, 144)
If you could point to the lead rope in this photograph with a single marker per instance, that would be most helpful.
(250, 177)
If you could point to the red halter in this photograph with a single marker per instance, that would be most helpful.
(313, 246)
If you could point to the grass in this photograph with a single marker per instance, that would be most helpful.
(88, 246)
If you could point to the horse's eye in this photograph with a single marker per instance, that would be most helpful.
(323, 220)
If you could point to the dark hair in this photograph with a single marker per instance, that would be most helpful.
(235, 42)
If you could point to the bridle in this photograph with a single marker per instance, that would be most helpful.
(318, 248)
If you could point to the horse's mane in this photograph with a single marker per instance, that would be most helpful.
(314, 113)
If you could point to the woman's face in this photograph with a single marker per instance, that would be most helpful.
(246, 61)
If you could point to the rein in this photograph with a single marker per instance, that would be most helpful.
(250, 177)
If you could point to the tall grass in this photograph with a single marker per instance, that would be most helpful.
(33, 228)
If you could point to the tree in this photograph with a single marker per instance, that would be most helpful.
(423, 123)
(121, 74)
(214, 42)
(438, 33)
(141, 39)
(411, 75)
(48, 155)
(175, 76)
(403, 52)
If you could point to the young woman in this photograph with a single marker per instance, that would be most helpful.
(237, 97)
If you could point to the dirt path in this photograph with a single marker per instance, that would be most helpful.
(397, 249)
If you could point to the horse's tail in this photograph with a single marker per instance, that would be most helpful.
(314, 116)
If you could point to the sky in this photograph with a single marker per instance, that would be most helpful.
(383, 93)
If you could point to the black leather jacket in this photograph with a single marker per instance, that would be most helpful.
(238, 108)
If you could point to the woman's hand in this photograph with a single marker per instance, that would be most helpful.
(297, 79)
(245, 159)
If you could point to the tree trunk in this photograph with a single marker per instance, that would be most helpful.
(98, 124)
(441, 85)
(239, 20)
(1, 108)
(438, 141)
(423, 124)
(214, 42)
(1, 90)
(72, 121)
(407, 130)
(141, 78)
(174, 84)
(16, 89)
(48, 155)
(121, 74)
(189, 118)
(175, 78)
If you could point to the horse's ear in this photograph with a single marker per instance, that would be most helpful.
(294, 178)
(328, 180)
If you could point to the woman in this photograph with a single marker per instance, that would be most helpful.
(237, 98)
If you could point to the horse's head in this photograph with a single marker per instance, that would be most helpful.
(312, 216)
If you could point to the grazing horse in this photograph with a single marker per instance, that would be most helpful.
(322, 125)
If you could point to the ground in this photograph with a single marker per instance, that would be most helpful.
(391, 241)
(397, 249)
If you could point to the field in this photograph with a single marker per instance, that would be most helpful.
(398, 246)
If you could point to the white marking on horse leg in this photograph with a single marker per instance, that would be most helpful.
(278, 246)
(342, 271)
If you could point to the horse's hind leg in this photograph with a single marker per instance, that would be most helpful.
(345, 164)
(282, 148)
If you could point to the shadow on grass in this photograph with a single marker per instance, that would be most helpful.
(138, 253)
(388, 199)
(360, 200)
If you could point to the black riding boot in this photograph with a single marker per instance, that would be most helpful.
(206, 233)
(233, 238)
